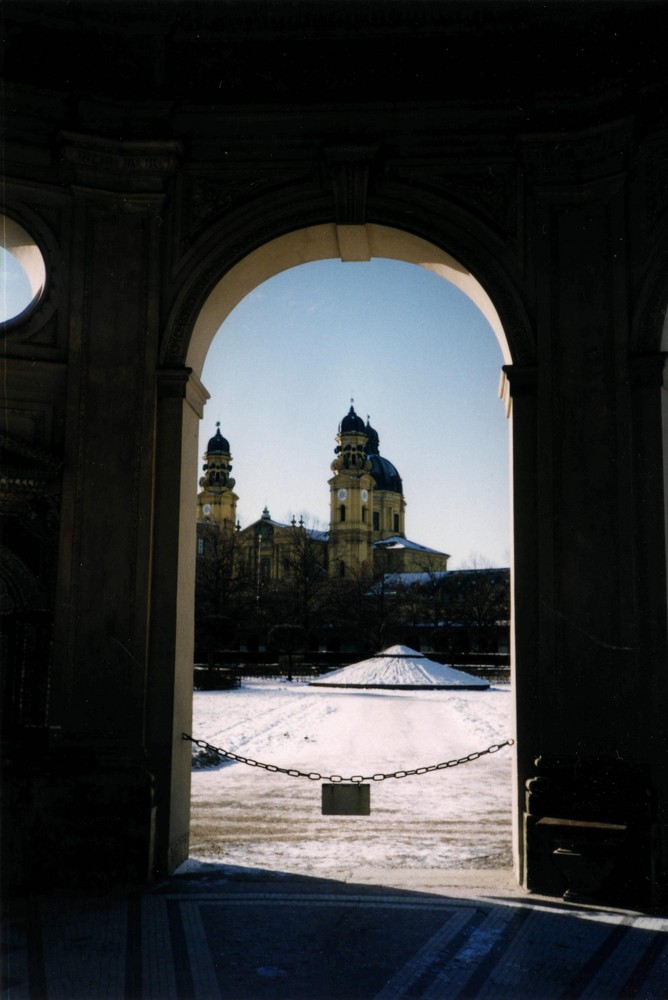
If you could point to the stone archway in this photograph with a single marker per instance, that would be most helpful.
(327, 241)
(142, 199)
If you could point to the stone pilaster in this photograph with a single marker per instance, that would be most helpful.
(181, 397)
(521, 386)
(575, 717)
(100, 786)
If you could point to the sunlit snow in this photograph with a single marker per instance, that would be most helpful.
(457, 817)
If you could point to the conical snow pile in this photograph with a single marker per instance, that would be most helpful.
(402, 668)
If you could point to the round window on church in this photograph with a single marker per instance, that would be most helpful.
(22, 270)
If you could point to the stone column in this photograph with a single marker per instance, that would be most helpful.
(181, 398)
(649, 468)
(591, 797)
(100, 786)
(522, 384)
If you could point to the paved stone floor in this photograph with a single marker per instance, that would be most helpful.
(254, 935)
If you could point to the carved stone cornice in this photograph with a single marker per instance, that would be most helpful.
(491, 190)
(207, 196)
(118, 165)
(565, 158)
(182, 383)
(522, 379)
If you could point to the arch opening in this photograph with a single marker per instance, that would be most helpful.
(326, 242)
(322, 243)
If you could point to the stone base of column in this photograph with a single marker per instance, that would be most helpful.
(589, 832)
(71, 825)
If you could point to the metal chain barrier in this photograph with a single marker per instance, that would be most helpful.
(293, 772)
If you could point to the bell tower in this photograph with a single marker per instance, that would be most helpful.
(351, 500)
(217, 503)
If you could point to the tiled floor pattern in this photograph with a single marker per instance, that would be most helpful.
(319, 940)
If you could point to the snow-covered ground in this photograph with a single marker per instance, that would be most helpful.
(399, 667)
(453, 818)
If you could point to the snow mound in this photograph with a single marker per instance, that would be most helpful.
(400, 667)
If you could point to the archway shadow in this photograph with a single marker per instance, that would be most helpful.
(252, 934)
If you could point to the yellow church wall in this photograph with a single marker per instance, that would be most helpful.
(361, 514)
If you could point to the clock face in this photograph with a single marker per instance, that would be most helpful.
(342, 494)
(365, 496)
(206, 509)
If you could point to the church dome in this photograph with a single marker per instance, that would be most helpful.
(373, 441)
(351, 423)
(385, 474)
(218, 443)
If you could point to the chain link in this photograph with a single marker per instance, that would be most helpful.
(356, 779)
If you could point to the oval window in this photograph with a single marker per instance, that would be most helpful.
(22, 270)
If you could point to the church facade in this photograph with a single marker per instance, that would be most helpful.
(366, 533)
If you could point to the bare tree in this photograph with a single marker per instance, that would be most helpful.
(461, 607)
(481, 592)
(305, 579)
(352, 616)
(478, 599)
(223, 590)
(287, 639)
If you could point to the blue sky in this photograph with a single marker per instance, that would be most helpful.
(416, 356)
(15, 294)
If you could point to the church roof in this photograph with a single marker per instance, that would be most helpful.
(266, 518)
(218, 443)
(409, 579)
(386, 476)
(351, 423)
(397, 542)
(373, 441)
